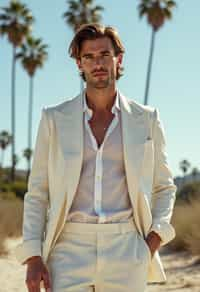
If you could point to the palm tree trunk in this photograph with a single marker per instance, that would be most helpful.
(30, 114)
(149, 67)
(2, 158)
(13, 113)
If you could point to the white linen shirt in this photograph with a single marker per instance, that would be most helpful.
(102, 193)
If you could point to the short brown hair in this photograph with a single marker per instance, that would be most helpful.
(93, 31)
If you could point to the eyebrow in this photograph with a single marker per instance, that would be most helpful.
(86, 55)
(90, 54)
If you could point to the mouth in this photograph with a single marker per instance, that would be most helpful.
(98, 74)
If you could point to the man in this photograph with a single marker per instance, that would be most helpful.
(100, 193)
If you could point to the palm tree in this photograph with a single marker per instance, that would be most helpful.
(16, 159)
(82, 12)
(5, 140)
(184, 166)
(157, 12)
(32, 55)
(27, 153)
(195, 173)
(15, 23)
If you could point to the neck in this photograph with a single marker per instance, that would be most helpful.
(101, 100)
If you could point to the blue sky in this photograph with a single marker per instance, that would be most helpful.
(174, 88)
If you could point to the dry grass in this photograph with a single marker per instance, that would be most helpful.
(11, 216)
(186, 220)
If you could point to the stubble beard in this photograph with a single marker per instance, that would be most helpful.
(102, 84)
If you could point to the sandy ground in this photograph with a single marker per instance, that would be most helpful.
(182, 269)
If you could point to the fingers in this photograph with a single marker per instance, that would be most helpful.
(33, 285)
(36, 273)
(47, 281)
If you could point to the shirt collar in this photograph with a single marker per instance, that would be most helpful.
(115, 106)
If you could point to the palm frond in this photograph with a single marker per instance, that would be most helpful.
(168, 13)
(142, 11)
(156, 11)
(171, 4)
(33, 54)
(81, 12)
(15, 21)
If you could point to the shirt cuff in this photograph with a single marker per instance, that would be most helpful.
(27, 249)
(165, 230)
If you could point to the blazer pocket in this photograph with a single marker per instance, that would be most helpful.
(149, 146)
(148, 141)
(149, 138)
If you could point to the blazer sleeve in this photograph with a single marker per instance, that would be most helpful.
(36, 198)
(164, 189)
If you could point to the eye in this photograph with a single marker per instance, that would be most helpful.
(106, 54)
(87, 57)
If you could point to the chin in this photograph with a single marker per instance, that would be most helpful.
(101, 87)
(101, 84)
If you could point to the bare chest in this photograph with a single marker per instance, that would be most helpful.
(99, 125)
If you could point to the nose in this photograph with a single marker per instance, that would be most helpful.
(98, 60)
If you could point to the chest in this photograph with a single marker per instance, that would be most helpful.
(99, 125)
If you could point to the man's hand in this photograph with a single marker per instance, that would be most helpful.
(153, 240)
(36, 272)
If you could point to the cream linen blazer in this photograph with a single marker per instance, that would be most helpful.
(56, 170)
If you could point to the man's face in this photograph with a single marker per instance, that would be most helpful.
(99, 63)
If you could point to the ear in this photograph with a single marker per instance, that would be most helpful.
(78, 62)
(119, 59)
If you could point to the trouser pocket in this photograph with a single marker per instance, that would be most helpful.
(147, 247)
(145, 252)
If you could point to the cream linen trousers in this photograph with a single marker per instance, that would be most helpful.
(100, 257)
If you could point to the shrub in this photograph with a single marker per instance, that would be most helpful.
(19, 188)
(11, 216)
(189, 192)
(7, 196)
(185, 219)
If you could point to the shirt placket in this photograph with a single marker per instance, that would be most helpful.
(99, 165)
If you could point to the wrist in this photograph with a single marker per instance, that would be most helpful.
(33, 259)
(153, 234)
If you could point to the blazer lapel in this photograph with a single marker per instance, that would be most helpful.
(69, 123)
(134, 135)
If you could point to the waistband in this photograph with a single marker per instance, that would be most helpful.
(117, 227)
